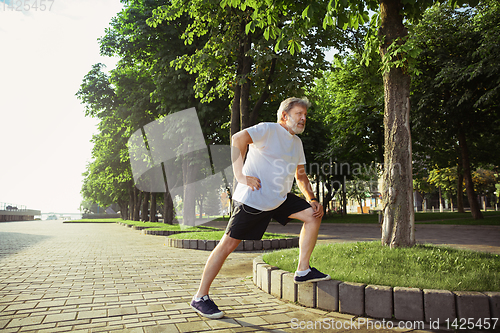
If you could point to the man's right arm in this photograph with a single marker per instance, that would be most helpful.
(240, 141)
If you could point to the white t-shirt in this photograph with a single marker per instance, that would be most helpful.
(273, 158)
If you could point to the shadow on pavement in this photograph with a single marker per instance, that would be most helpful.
(14, 242)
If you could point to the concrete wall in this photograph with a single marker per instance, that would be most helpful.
(18, 215)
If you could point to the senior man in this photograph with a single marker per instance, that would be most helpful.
(275, 157)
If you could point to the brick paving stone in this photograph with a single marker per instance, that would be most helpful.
(73, 323)
(92, 314)
(3, 323)
(122, 311)
(53, 330)
(27, 321)
(251, 321)
(55, 318)
(168, 328)
(273, 318)
(109, 278)
(21, 306)
(222, 323)
(193, 327)
(50, 304)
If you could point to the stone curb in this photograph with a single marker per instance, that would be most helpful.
(380, 302)
(245, 245)
(147, 231)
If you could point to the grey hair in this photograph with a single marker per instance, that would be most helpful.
(289, 103)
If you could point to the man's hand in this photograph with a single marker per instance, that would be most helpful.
(317, 208)
(252, 182)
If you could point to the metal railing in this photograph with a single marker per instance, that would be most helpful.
(12, 207)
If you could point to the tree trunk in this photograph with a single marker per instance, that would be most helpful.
(235, 111)
(245, 87)
(152, 215)
(123, 209)
(460, 189)
(189, 202)
(469, 186)
(137, 204)
(145, 207)
(168, 208)
(360, 202)
(344, 197)
(201, 207)
(265, 94)
(398, 229)
(131, 203)
(440, 201)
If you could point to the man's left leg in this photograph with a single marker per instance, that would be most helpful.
(307, 242)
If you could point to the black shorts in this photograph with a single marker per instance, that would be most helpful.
(250, 223)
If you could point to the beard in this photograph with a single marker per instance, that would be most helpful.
(293, 125)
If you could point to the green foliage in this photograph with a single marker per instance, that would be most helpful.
(234, 50)
(401, 54)
(484, 181)
(141, 89)
(351, 99)
(446, 178)
(422, 266)
(459, 87)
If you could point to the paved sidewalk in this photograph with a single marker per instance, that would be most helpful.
(58, 277)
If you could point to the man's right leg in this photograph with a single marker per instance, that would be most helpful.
(215, 261)
(201, 303)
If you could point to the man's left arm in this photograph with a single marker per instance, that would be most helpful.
(306, 189)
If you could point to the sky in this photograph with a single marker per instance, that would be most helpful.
(45, 136)
(47, 47)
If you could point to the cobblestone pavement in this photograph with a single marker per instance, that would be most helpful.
(59, 277)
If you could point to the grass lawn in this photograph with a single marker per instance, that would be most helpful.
(422, 266)
(149, 225)
(217, 235)
(175, 227)
(490, 218)
(165, 226)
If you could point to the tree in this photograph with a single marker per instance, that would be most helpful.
(108, 176)
(423, 187)
(168, 90)
(484, 183)
(445, 180)
(362, 186)
(455, 95)
(238, 61)
(348, 100)
(398, 225)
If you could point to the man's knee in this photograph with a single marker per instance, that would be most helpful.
(310, 218)
(313, 220)
(228, 244)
